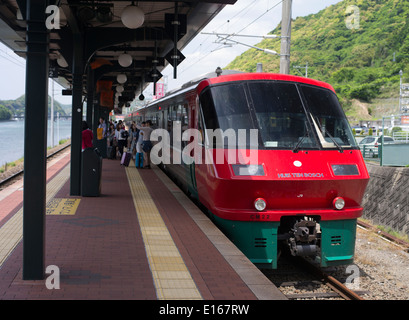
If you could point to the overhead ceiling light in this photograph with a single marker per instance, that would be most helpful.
(125, 60)
(121, 78)
(119, 89)
(61, 61)
(132, 17)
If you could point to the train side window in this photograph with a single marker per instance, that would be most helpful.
(200, 125)
(207, 107)
(185, 117)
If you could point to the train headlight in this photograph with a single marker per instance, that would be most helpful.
(339, 203)
(248, 170)
(260, 204)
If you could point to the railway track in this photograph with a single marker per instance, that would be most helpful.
(300, 279)
(387, 236)
(7, 181)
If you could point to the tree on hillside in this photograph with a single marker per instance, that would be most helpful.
(5, 114)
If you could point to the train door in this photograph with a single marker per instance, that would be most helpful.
(191, 124)
(200, 170)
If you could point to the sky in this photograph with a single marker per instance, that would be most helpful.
(203, 55)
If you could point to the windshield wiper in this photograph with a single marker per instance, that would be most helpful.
(306, 134)
(297, 147)
(324, 143)
(335, 142)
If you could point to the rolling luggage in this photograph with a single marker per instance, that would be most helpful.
(126, 158)
(139, 160)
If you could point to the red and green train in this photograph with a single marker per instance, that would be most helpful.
(299, 182)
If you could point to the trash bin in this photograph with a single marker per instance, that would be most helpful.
(91, 171)
(102, 147)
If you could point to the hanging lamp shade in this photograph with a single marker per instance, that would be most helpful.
(125, 60)
(119, 89)
(132, 17)
(62, 62)
(121, 78)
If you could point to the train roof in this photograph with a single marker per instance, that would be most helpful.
(211, 78)
(261, 76)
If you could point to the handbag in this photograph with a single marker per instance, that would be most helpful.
(100, 132)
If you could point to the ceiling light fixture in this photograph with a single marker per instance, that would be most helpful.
(132, 17)
(61, 61)
(125, 60)
(121, 78)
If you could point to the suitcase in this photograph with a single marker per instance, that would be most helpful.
(139, 160)
(126, 158)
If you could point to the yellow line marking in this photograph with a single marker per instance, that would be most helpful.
(62, 206)
(171, 277)
(12, 231)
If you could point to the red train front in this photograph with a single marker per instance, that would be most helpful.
(285, 166)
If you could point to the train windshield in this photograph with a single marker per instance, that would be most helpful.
(328, 117)
(281, 117)
(287, 115)
(226, 107)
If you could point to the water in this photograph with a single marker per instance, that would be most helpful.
(12, 138)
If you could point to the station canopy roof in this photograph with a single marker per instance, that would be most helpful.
(105, 38)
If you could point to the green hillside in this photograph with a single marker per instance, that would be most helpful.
(362, 64)
(10, 108)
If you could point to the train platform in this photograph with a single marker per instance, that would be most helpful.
(142, 239)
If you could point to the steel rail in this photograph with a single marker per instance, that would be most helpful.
(330, 281)
(384, 234)
(8, 179)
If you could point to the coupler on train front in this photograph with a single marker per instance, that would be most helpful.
(329, 242)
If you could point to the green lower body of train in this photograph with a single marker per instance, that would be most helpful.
(259, 241)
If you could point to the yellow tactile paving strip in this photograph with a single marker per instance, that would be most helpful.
(171, 277)
(64, 206)
(11, 232)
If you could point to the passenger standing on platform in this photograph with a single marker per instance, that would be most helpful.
(87, 136)
(111, 135)
(146, 144)
(102, 125)
(120, 138)
(139, 152)
(134, 134)
(130, 136)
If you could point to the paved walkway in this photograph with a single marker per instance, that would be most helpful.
(141, 239)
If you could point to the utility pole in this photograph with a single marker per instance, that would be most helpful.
(285, 37)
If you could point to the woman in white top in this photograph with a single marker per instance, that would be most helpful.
(120, 138)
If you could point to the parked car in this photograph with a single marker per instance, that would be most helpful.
(369, 145)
